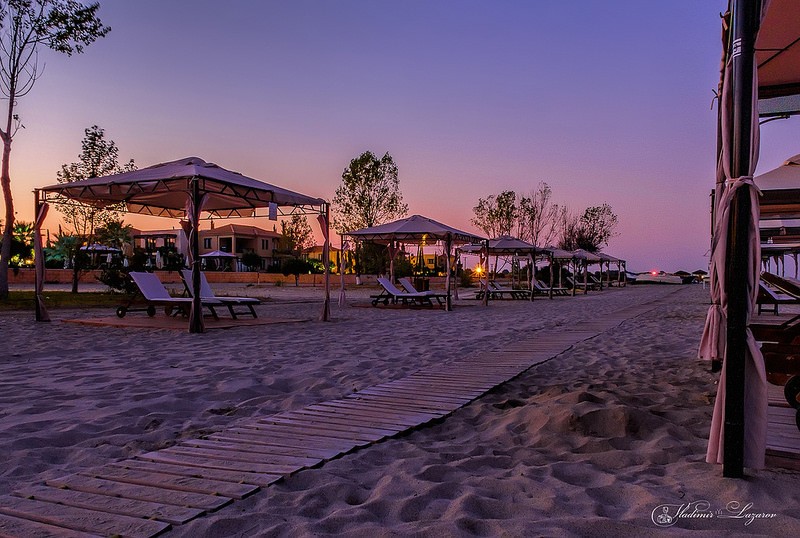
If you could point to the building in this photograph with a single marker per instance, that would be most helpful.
(239, 239)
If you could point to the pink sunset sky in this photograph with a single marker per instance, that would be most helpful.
(605, 101)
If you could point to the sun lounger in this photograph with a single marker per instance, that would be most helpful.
(391, 293)
(543, 289)
(155, 294)
(228, 301)
(497, 291)
(772, 297)
(409, 287)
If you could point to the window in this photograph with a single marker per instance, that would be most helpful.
(265, 244)
(206, 242)
(226, 244)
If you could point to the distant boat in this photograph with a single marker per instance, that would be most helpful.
(659, 277)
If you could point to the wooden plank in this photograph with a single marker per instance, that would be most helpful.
(235, 477)
(14, 527)
(348, 419)
(442, 402)
(81, 519)
(176, 482)
(317, 431)
(380, 405)
(398, 418)
(356, 416)
(443, 387)
(271, 435)
(113, 505)
(211, 463)
(250, 457)
(242, 445)
(111, 488)
(294, 417)
(395, 403)
(315, 437)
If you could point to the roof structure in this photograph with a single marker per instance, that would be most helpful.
(241, 230)
(163, 190)
(505, 244)
(415, 228)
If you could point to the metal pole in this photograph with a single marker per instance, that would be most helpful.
(326, 256)
(745, 25)
(448, 244)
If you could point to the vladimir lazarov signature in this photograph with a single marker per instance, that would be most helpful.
(667, 515)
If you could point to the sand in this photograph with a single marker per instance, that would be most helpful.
(589, 443)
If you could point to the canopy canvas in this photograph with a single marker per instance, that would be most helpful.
(760, 61)
(780, 191)
(417, 229)
(505, 245)
(185, 188)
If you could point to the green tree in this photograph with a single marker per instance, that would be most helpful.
(296, 234)
(114, 233)
(65, 26)
(99, 157)
(597, 226)
(593, 229)
(369, 194)
(295, 266)
(496, 215)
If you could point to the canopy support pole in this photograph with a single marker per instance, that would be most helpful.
(486, 274)
(326, 255)
(448, 244)
(746, 17)
(552, 268)
(531, 271)
(40, 212)
(196, 317)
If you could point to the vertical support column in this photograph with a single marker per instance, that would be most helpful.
(486, 274)
(326, 256)
(746, 18)
(448, 245)
(196, 324)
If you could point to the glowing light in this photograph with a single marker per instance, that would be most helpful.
(478, 269)
(654, 273)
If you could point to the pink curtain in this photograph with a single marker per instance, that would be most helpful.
(192, 223)
(326, 303)
(41, 309)
(713, 342)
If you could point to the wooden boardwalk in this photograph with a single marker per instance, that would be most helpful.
(783, 437)
(146, 495)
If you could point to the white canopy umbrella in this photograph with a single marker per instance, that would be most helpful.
(185, 188)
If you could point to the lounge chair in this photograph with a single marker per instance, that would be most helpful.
(391, 293)
(496, 291)
(228, 301)
(408, 286)
(155, 294)
(769, 296)
(544, 289)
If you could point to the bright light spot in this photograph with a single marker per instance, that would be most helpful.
(478, 269)
(654, 273)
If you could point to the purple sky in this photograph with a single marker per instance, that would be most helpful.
(605, 101)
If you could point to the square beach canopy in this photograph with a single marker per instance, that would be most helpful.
(183, 189)
(416, 229)
(505, 245)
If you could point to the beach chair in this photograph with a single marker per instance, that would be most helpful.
(150, 288)
(500, 292)
(543, 289)
(769, 296)
(408, 286)
(391, 293)
(228, 301)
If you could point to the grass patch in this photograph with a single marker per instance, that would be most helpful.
(23, 300)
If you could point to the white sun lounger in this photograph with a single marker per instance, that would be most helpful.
(391, 293)
(207, 293)
(409, 287)
(155, 294)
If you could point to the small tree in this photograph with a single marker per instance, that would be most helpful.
(296, 267)
(597, 227)
(115, 233)
(65, 26)
(296, 234)
(496, 215)
(537, 216)
(98, 157)
(369, 195)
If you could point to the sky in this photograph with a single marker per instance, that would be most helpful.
(607, 102)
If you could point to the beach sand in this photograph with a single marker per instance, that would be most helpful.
(589, 443)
